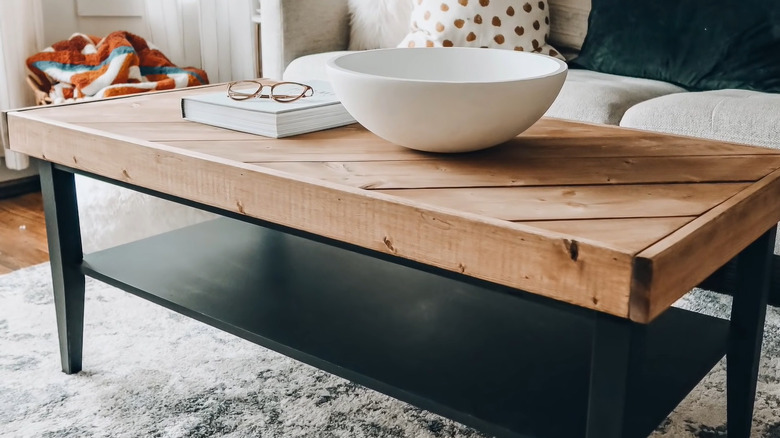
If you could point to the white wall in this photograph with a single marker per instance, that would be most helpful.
(60, 21)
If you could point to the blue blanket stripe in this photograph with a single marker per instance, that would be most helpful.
(78, 68)
(145, 71)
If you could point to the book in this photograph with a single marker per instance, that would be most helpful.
(266, 117)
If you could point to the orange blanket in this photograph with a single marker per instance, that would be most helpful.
(87, 67)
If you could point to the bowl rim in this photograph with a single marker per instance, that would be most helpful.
(331, 64)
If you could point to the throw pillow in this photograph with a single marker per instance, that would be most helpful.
(505, 24)
(376, 24)
(700, 45)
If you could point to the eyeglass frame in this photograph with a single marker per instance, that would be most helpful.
(286, 98)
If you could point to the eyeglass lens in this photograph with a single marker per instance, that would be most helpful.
(289, 91)
(243, 90)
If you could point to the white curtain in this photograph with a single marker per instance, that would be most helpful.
(21, 35)
(215, 35)
(174, 29)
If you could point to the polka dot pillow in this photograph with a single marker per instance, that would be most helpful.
(504, 24)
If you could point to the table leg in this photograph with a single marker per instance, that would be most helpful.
(746, 332)
(618, 346)
(64, 236)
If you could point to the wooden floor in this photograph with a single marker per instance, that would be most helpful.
(22, 232)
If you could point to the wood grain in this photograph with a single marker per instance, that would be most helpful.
(353, 145)
(629, 236)
(495, 171)
(171, 130)
(577, 202)
(677, 263)
(617, 220)
(562, 138)
(147, 108)
(22, 232)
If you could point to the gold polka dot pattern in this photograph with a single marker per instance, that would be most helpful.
(506, 24)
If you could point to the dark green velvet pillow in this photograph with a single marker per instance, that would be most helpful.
(697, 44)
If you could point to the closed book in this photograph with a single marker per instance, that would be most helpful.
(266, 117)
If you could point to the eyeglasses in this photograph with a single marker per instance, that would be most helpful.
(283, 92)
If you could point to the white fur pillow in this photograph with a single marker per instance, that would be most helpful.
(502, 24)
(378, 23)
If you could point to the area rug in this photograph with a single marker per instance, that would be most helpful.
(153, 373)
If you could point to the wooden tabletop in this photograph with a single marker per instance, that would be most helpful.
(616, 220)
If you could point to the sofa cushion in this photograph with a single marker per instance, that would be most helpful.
(310, 67)
(594, 97)
(738, 116)
(700, 45)
(376, 24)
(501, 24)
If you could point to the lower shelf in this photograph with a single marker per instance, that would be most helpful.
(499, 360)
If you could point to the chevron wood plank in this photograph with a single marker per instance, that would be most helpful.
(577, 202)
(489, 171)
(625, 235)
(686, 257)
(168, 131)
(562, 138)
(141, 108)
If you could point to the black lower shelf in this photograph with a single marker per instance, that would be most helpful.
(499, 360)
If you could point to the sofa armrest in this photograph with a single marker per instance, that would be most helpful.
(293, 28)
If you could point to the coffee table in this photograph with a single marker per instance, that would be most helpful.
(525, 290)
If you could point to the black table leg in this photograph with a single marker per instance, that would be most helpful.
(746, 332)
(64, 236)
(618, 346)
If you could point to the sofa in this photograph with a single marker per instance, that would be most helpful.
(300, 35)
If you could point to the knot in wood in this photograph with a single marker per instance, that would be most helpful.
(389, 244)
(573, 247)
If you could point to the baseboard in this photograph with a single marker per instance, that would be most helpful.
(21, 186)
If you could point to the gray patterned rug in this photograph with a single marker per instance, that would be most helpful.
(152, 373)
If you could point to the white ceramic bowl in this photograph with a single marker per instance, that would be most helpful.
(446, 99)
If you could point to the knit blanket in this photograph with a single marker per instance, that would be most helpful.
(87, 67)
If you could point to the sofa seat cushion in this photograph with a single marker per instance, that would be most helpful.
(310, 67)
(594, 97)
(739, 116)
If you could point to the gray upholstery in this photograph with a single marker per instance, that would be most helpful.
(310, 67)
(293, 28)
(594, 97)
(738, 116)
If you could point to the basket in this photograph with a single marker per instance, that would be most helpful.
(41, 97)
